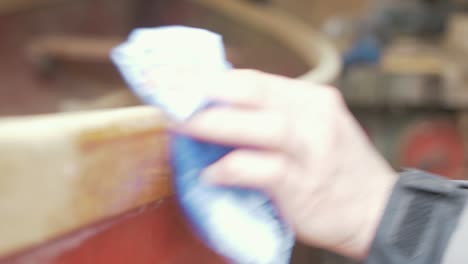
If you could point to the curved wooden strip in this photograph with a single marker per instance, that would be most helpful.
(319, 53)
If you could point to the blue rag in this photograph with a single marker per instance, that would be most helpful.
(240, 224)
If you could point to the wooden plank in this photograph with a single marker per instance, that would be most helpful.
(9, 6)
(411, 56)
(73, 48)
(60, 172)
(455, 38)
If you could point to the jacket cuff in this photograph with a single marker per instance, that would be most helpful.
(420, 217)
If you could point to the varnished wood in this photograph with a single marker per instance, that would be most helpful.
(59, 172)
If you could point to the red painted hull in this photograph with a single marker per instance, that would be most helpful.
(156, 233)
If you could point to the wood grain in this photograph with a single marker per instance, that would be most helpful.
(60, 172)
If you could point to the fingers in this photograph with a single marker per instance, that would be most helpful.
(236, 87)
(239, 127)
(242, 87)
(249, 169)
(248, 88)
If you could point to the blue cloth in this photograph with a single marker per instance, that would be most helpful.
(240, 224)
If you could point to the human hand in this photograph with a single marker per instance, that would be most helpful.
(299, 144)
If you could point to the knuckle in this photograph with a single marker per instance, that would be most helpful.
(233, 166)
(249, 72)
(275, 180)
(331, 103)
(244, 74)
(253, 81)
(227, 167)
(334, 97)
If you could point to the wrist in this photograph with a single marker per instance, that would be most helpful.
(377, 203)
(381, 180)
(363, 219)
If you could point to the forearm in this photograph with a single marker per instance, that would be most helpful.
(425, 221)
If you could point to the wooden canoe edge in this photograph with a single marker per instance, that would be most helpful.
(61, 172)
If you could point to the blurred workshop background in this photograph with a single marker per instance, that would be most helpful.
(402, 65)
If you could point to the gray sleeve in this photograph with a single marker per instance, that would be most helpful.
(457, 249)
(425, 222)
